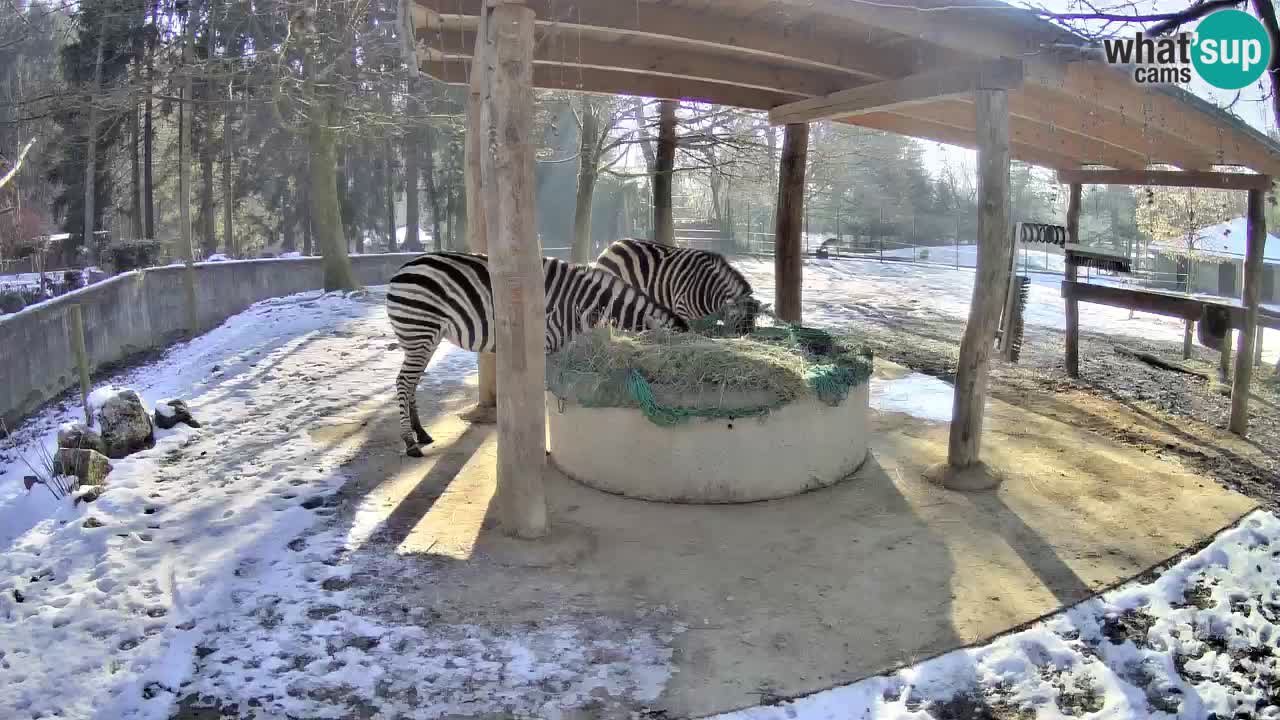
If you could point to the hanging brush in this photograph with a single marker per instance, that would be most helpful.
(1099, 259)
(1016, 318)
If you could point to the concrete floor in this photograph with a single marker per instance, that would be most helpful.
(791, 596)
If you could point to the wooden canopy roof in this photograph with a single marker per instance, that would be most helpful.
(904, 66)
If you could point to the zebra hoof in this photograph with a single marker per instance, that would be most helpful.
(414, 450)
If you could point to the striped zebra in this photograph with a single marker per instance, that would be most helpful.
(448, 295)
(693, 283)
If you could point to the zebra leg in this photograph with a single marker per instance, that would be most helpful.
(415, 362)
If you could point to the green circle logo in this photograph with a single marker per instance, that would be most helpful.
(1232, 49)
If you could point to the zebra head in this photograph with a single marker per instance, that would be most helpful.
(740, 314)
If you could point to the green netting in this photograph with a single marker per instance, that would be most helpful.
(672, 377)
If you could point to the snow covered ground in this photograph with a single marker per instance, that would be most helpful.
(214, 566)
(1197, 642)
(835, 289)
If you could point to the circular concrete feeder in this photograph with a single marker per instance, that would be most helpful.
(800, 446)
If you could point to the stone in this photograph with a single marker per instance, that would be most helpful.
(126, 425)
(79, 436)
(171, 412)
(90, 466)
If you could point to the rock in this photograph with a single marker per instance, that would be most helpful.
(171, 412)
(91, 522)
(90, 466)
(79, 436)
(126, 425)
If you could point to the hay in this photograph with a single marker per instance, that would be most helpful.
(672, 376)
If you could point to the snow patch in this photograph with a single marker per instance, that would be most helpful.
(915, 394)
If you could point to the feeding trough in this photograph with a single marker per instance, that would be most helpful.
(678, 417)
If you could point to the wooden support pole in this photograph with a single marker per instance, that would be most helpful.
(1257, 238)
(788, 262)
(1257, 346)
(75, 318)
(1186, 338)
(992, 273)
(1073, 305)
(515, 267)
(486, 408)
(1224, 358)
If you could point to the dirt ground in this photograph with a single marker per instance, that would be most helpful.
(770, 600)
(1168, 415)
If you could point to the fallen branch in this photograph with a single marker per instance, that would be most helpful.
(17, 165)
(1150, 359)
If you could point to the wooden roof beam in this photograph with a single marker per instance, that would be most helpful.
(612, 82)
(1084, 150)
(1002, 74)
(940, 132)
(1170, 178)
(563, 49)
(1102, 86)
(798, 41)
(1035, 103)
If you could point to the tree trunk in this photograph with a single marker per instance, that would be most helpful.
(412, 151)
(587, 170)
(91, 156)
(148, 143)
(429, 187)
(135, 170)
(185, 246)
(663, 174)
(788, 260)
(288, 233)
(303, 182)
(228, 184)
(208, 231)
(1267, 13)
(391, 197)
(326, 216)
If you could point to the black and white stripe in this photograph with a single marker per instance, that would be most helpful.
(693, 283)
(448, 295)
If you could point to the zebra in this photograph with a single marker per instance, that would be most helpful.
(693, 283)
(448, 295)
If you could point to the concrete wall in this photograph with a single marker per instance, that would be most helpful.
(144, 310)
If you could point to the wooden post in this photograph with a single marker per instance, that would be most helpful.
(1257, 346)
(515, 266)
(1186, 339)
(1257, 238)
(1073, 305)
(788, 263)
(76, 329)
(486, 409)
(992, 273)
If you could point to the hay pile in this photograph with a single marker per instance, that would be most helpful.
(703, 376)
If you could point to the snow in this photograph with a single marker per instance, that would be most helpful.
(1226, 238)
(916, 394)
(289, 255)
(105, 394)
(221, 569)
(840, 288)
(217, 257)
(1205, 614)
